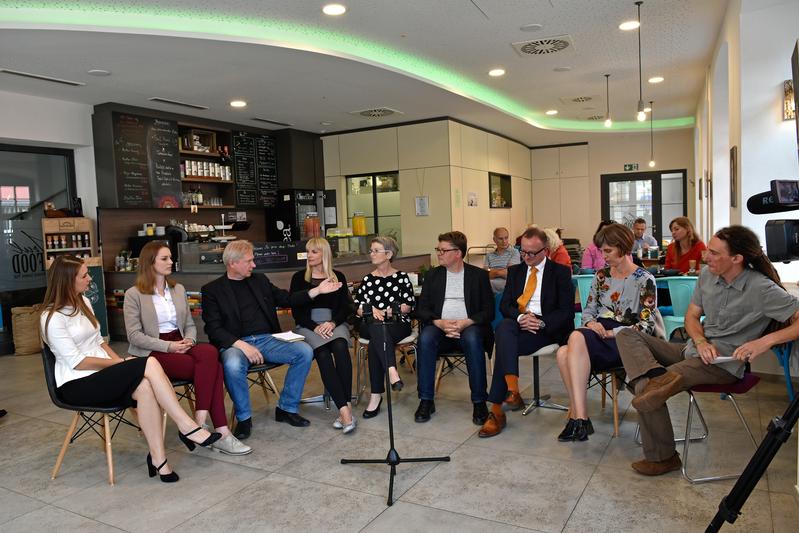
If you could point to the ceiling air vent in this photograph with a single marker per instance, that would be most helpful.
(177, 103)
(596, 117)
(274, 122)
(580, 99)
(546, 45)
(41, 77)
(376, 112)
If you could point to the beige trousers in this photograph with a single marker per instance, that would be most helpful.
(639, 354)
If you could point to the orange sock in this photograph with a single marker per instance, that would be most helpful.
(496, 408)
(513, 382)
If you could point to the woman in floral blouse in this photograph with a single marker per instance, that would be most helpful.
(622, 295)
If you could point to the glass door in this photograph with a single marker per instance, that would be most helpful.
(376, 196)
(657, 197)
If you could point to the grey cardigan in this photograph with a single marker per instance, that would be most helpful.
(141, 321)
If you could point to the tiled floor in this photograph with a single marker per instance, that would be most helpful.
(521, 480)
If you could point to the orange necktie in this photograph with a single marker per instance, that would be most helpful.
(529, 289)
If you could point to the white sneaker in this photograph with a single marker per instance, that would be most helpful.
(230, 445)
(337, 423)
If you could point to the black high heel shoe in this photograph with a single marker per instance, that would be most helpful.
(397, 385)
(153, 470)
(190, 444)
(371, 414)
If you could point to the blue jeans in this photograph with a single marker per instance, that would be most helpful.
(432, 341)
(298, 355)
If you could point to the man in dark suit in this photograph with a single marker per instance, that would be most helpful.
(456, 308)
(240, 317)
(538, 306)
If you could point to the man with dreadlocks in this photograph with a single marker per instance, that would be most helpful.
(741, 297)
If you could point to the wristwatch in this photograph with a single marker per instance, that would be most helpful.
(541, 323)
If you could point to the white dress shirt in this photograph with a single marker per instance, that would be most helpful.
(534, 305)
(165, 311)
(72, 338)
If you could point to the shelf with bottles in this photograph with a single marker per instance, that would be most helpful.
(72, 235)
(191, 169)
(207, 194)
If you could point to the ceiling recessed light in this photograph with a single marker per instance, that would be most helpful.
(552, 112)
(98, 72)
(531, 27)
(326, 123)
(562, 69)
(238, 103)
(656, 79)
(496, 72)
(629, 25)
(334, 10)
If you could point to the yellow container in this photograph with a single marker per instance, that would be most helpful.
(358, 223)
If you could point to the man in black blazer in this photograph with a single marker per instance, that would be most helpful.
(240, 317)
(456, 308)
(538, 306)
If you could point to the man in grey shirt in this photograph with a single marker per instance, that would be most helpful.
(740, 295)
(498, 261)
(642, 241)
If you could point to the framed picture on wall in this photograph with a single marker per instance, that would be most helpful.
(734, 176)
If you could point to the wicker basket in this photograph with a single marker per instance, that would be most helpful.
(25, 326)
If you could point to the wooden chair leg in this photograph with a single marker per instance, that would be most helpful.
(262, 382)
(187, 392)
(108, 453)
(603, 388)
(615, 399)
(63, 451)
(232, 418)
(439, 371)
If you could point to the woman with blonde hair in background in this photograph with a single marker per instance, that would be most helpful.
(88, 372)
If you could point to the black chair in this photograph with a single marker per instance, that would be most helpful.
(261, 378)
(90, 421)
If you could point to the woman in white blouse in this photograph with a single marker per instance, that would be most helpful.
(159, 324)
(89, 372)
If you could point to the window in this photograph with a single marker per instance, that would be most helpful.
(499, 192)
(377, 197)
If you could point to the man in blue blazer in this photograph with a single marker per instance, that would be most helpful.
(456, 308)
(538, 306)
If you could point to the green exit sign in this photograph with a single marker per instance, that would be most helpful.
(630, 166)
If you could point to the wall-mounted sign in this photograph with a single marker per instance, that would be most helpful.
(630, 166)
(422, 206)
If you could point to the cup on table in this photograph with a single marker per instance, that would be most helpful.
(692, 265)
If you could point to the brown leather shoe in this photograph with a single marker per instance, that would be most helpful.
(514, 401)
(493, 425)
(658, 468)
(657, 391)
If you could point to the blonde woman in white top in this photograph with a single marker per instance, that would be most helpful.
(89, 372)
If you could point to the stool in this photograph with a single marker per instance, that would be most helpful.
(538, 400)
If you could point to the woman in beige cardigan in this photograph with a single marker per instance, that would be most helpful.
(159, 324)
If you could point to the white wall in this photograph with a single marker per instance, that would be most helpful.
(34, 121)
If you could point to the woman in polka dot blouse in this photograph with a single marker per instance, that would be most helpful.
(385, 290)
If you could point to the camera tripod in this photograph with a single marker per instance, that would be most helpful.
(393, 458)
(779, 430)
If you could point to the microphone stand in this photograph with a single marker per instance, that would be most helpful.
(392, 458)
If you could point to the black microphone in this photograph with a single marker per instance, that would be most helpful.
(765, 203)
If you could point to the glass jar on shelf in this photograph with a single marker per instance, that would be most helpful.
(358, 223)
(311, 226)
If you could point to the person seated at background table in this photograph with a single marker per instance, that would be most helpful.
(686, 246)
(240, 318)
(592, 256)
(557, 250)
(642, 241)
(623, 296)
(538, 306)
(456, 308)
(741, 297)
(159, 324)
(384, 291)
(322, 320)
(88, 372)
(498, 261)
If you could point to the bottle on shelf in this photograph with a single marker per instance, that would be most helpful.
(199, 196)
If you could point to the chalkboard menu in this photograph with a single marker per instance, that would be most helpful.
(255, 164)
(147, 161)
(273, 255)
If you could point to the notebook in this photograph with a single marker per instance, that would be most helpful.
(288, 336)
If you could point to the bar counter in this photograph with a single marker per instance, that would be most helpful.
(354, 268)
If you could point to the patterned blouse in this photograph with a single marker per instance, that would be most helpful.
(631, 301)
(386, 292)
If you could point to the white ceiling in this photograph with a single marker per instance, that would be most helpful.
(305, 88)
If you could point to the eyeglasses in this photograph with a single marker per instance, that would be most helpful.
(524, 253)
(445, 250)
(377, 251)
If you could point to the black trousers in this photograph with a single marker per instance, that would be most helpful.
(511, 342)
(112, 386)
(378, 356)
(335, 367)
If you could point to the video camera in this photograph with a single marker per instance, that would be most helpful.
(782, 236)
